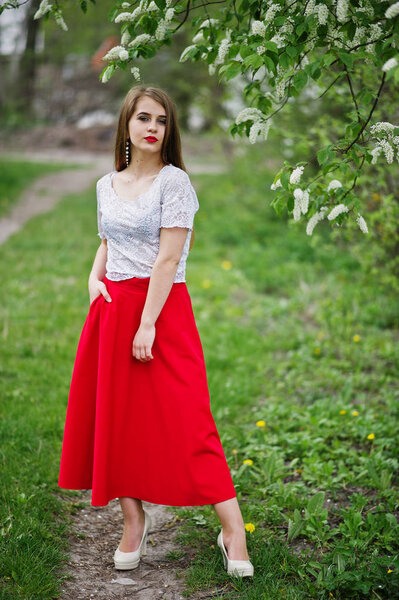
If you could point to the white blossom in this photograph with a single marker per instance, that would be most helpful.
(296, 175)
(388, 150)
(258, 28)
(375, 152)
(382, 126)
(107, 74)
(305, 202)
(223, 50)
(271, 11)
(113, 54)
(342, 10)
(265, 126)
(276, 185)
(314, 219)
(337, 210)
(152, 6)
(248, 114)
(126, 37)
(208, 22)
(362, 223)
(124, 17)
(211, 69)
(170, 14)
(161, 30)
(390, 64)
(322, 13)
(296, 213)
(333, 185)
(123, 54)
(253, 132)
(392, 11)
(59, 19)
(136, 73)
(125, 5)
(310, 8)
(297, 203)
(260, 49)
(44, 8)
(184, 54)
(199, 37)
(143, 38)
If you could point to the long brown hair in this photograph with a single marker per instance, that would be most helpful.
(171, 144)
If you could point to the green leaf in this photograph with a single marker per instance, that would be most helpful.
(346, 58)
(294, 528)
(300, 80)
(231, 70)
(254, 60)
(315, 504)
(291, 51)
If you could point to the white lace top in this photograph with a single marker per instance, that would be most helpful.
(132, 227)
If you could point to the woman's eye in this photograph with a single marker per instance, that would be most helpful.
(160, 121)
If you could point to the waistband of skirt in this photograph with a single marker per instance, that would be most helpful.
(138, 283)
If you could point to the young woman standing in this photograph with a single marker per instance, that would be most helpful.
(138, 423)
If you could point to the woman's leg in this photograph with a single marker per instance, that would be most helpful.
(133, 515)
(234, 536)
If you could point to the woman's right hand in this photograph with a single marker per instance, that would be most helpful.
(96, 288)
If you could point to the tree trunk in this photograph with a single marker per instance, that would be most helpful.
(25, 84)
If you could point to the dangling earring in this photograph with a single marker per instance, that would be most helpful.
(127, 152)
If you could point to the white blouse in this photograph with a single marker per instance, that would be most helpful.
(132, 227)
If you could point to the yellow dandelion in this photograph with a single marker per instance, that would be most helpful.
(370, 436)
(342, 412)
(206, 283)
(390, 571)
(355, 413)
(226, 265)
(250, 527)
(247, 461)
(356, 337)
(234, 451)
(317, 350)
(260, 423)
(320, 335)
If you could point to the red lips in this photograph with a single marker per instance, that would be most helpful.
(151, 138)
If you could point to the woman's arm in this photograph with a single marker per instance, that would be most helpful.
(96, 285)
(171, 243)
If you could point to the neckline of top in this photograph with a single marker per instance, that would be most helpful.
(112, 173)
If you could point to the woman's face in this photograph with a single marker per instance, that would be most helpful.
(147, 121)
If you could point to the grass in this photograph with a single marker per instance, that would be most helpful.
(293, 334)
(16, 176)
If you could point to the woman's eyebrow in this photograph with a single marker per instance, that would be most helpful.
(146, 113)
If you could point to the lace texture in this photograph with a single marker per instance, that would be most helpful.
(132, 227)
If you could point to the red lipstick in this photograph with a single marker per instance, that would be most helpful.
(151, 138)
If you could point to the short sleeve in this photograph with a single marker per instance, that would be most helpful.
(99, 214)
(179, 202)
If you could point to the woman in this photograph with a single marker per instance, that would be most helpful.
(138, 423)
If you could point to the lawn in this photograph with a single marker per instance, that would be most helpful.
(302, 362)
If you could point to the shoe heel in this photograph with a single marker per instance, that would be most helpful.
(144, 550)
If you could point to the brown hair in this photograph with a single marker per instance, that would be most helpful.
(171, 144)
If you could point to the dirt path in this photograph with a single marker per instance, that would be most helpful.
(98, 530)
(91, 556)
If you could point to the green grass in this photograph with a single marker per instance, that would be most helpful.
(16, 176)
(279, 329)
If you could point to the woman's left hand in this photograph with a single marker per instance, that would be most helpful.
(142, 343)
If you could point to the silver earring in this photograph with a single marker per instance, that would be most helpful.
(127, 152)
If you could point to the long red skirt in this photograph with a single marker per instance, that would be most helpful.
(142, 429)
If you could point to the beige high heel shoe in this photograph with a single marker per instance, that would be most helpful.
(130, 560)
(242, 568)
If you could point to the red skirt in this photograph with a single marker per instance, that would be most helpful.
(142, 429)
